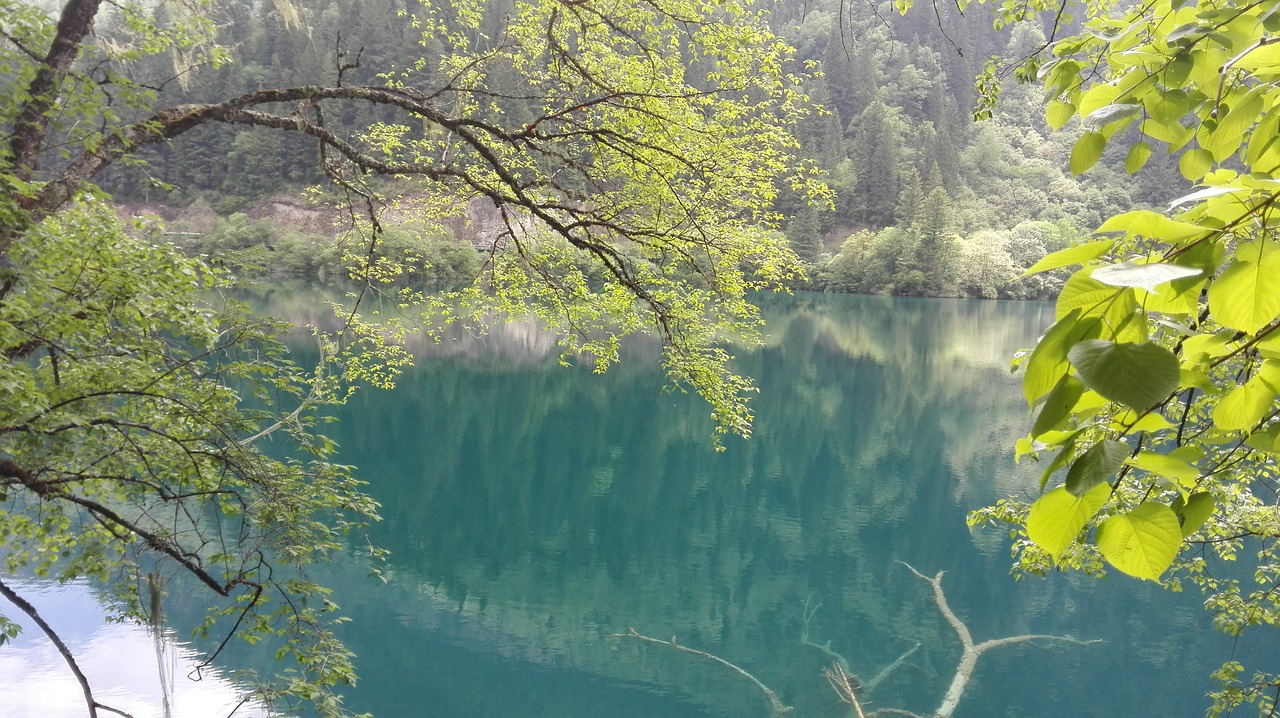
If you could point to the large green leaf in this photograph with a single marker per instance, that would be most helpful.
(1078, 254)
(1267, 439)
(1244, 406)
(1086, 151)
(1142, 542)
(1136, 375)
(1058, 113)
(1062, 458)
(1153, 225)
(1097, 465)
(1169, 467)
(1247, 294)
(1056, 519)
(1194, 512)
(1195, 164)
(1115, 305)
(1137, 157)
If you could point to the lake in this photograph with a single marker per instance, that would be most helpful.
(534, 512)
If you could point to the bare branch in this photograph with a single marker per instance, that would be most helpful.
(779, 708)
(26, 607)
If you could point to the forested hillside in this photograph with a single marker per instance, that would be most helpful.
(927, 202)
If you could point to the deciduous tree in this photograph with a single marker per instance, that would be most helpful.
(635, 196)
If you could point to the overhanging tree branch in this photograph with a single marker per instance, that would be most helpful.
(25, 606)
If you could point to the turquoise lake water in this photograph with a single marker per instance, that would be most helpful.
(534, 511)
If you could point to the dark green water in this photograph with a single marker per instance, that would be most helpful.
(534, 511)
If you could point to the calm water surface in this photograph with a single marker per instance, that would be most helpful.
(533, 512)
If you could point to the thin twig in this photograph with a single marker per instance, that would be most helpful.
(779, 708)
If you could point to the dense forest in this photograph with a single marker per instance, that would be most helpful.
(927, 202)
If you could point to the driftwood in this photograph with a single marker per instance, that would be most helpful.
(847, 685)
(972, 652)
(779, 708)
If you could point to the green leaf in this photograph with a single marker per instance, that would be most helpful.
(1244, 406)
(1062, 458)
(1057, 518)
(1058, 113)
(1230, 130)
(1078, 254)
(1137, 157)
(1194, 512)
(1057, 405)
(1167, 466)
(1095, 466)
(1246, 296)
(1267, 440)
(1136, 375)
(1088, 295)
(1195, 164)
(1145, 223)
(1142, 542)
(1086, 152)
(1047, 363)
(1150, 421)
(1145, 276)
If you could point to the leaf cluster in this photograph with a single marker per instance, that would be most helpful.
(1156, 389)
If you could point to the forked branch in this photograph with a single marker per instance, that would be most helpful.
(851, 690)
(972, 652)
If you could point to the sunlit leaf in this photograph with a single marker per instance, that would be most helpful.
(1058, 113)
(1057, 405)
(1142, 542)
(1057, 518)
(1086, 151)
(1267, 440)
(1167, 466)
(1137, 157)
(1195, 164)
(1246, 296)
(1194, 512)
(1047, 364)
(1078, 254)
(1145, 223)
(1244, 406)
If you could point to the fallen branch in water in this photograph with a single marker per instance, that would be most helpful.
(844, 675)
(847, 685)
(779, 708)
(811, 608)
(972, 652)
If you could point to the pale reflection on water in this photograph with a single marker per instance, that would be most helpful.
(128, 669)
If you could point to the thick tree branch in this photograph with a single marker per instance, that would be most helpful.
(110, 518)
(31, 126)
(173, 122)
